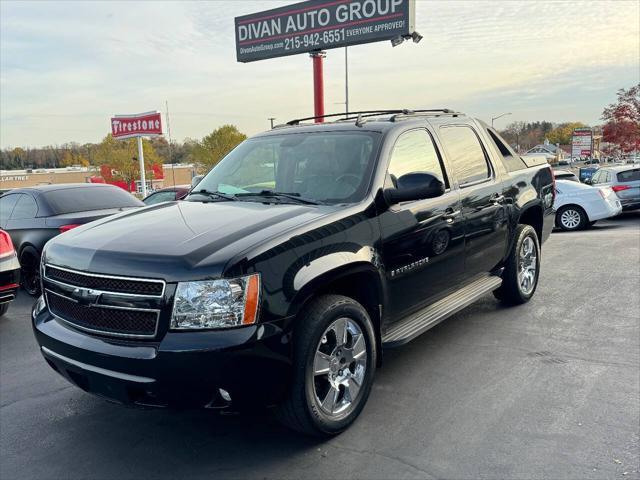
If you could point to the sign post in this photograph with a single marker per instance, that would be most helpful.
(318, 85)
(317, 25)
(139, 125)
(143, 180)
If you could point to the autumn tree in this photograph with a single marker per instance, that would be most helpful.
(212, 148)
(122, 157)
(70, 158)
(622, 118)
(562, 133)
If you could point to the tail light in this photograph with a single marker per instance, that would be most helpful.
(6, 245)
(619, 188)
(66, 228)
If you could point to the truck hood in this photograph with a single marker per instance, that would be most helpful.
(178, 240)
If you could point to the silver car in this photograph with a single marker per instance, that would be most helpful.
(624, 180)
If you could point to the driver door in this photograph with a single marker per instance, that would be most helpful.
(423, 240)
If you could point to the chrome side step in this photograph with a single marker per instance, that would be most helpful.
(406, 330)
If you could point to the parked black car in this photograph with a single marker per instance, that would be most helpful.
(9, 272)
(293, 263)
(34, 215)
(167, 194)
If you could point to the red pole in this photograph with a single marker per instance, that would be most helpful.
(318, 86)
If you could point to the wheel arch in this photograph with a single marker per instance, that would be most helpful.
(360, 281)
(30, 249)
(533, 215)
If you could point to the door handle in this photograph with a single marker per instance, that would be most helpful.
(450, 214)
(497, 198)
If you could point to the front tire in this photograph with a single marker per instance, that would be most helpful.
(522, 268)
(3, 308)
(571, 217)
(334, 362)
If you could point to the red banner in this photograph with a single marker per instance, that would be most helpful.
(141, 125)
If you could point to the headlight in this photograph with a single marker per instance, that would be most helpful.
(216, 303)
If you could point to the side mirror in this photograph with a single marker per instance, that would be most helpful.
(414, 186)
(588, 181)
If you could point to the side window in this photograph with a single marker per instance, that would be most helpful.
(465, 153)
(7, 202)
(595, 178)
(25, 208)
(413, 152)
(511, 159)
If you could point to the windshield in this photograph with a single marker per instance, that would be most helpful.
(328, 167)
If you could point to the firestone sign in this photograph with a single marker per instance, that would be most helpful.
(147, 124)
(321, 25)
(141, 125)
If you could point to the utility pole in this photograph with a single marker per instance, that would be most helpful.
(271, 119)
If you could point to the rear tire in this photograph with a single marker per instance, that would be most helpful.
(522, 268)
(30, 273)
(571, 217)
(334, 362)
(3, 308)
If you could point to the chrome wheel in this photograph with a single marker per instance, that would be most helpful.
(339, 366)
(570, 219)
(527, 265)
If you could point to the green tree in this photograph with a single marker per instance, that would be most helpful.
(212, 148)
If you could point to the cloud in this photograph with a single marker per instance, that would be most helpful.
(66, 67)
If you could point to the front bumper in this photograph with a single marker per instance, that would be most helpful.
(185, 369)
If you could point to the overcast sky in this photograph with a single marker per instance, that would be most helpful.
(65, 68)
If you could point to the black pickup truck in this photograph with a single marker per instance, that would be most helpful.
(290, 267)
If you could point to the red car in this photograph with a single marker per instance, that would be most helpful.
(9, 272)
(168, 194)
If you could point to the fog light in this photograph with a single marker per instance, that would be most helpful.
(225, 395)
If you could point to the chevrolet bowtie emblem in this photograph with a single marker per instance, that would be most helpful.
(85, 296)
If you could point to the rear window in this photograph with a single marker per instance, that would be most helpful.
(84, 199)
(629, 175)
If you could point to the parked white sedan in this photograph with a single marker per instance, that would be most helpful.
(579, 206)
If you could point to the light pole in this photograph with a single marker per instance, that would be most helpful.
(499, 116)
(271, 119)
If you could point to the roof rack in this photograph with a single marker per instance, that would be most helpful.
(373, 113)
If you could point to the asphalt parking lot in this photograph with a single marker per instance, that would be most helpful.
(550, 389)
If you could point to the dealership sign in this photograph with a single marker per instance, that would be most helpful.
(581, 143)
(140, 125)
(320, 25)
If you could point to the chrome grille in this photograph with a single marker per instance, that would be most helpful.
(105, 282)
(104, 304)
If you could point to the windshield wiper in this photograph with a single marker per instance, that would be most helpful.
(296, 197)
(215, 194)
